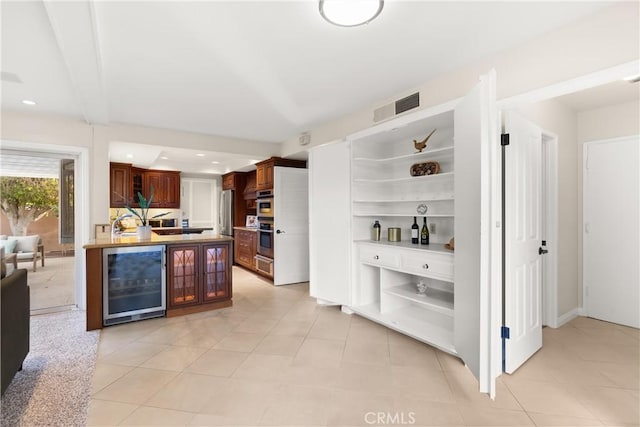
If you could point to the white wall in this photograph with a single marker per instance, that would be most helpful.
(607, 122)
(552, 116)
(608, 38)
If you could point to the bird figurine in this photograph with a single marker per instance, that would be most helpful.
(420, 145)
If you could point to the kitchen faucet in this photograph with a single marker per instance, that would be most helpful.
(115, 221)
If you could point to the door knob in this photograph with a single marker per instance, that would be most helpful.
(542, 251)
(279, 231)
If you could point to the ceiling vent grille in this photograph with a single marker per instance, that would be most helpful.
(398, 107)
(408, 103)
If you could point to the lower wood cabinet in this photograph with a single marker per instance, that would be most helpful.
(246, 246)
(198, 275)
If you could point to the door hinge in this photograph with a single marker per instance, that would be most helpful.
(504, 332)
(504, 139)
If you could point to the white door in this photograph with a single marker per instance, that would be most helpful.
(522, 179)
(329, 219)
(612, 230)
(291, 225)
(477, 280)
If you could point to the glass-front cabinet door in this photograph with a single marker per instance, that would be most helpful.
(183, 275)
(216, 280)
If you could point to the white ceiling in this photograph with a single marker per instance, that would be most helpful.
(261, 70)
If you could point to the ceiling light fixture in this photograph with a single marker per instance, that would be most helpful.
(215, 162)
(200, 155)
(129, 156)
(28, 102)
(350, 13)
(164, 158)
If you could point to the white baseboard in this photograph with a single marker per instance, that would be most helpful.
(582, 311)
(568, 316)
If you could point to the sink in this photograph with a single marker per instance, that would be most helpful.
(127, 234)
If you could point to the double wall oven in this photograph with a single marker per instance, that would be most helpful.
(264, 210)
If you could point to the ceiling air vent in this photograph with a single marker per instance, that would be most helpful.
(408, 103)
(400, 106)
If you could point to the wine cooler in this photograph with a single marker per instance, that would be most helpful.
(134, 285)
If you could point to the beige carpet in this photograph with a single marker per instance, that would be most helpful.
(54, 386)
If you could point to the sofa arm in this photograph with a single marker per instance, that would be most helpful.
(15, 324)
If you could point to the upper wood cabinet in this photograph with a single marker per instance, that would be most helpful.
(126, 181)
(250, 187)
(234, 181)
(264, 170)
(166, 188)
(120, 184)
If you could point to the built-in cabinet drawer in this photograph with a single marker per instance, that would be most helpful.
(428, 264)
(378, 255)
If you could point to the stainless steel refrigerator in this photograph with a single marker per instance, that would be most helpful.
(225, 215)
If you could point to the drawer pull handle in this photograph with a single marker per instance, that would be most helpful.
(376, 257)
(425, 266)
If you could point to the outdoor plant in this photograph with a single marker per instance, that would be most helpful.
(144, 208)
(26, 200)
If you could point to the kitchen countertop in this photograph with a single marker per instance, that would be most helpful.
(119, 241)
(246, 228)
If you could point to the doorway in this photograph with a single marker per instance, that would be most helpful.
(38, 201)
(80, 191)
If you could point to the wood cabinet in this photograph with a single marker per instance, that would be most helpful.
(166, 188)
(250, 186)
(246, 246)
(264, 170)
(137, 185)
(120, 184)
(198, 274)
(126, 181)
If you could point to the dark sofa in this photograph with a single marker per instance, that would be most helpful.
(14, 328)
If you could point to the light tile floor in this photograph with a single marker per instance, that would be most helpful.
(277, 358)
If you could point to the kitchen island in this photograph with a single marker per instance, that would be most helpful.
(197, 275)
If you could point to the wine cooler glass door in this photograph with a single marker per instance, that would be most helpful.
(133, 283)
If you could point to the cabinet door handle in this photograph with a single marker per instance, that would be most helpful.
(425, 266)
(376, 257)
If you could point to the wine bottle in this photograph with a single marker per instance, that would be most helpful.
(424, 235)
(415, 230)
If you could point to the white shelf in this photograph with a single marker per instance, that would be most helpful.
(417, 156)
(433, 299)
(433, 247)
(405, 215)
(427, 326)
(431, 199)
(438, 176)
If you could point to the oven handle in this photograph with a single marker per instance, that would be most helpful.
(265, 231)
(263, 258)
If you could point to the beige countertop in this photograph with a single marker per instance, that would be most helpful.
(246, 228)
(119, 241)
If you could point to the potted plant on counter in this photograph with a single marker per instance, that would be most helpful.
(144, 231)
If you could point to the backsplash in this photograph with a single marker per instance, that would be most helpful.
(133, 222)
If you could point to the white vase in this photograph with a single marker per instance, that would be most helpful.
(143, 232)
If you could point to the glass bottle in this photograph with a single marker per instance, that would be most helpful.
(424, 235)
(415, 231)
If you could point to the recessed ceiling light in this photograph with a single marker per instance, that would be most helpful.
(28, 102)
(200, 155)
(164, 158)
(129, 156)
(215, 162)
